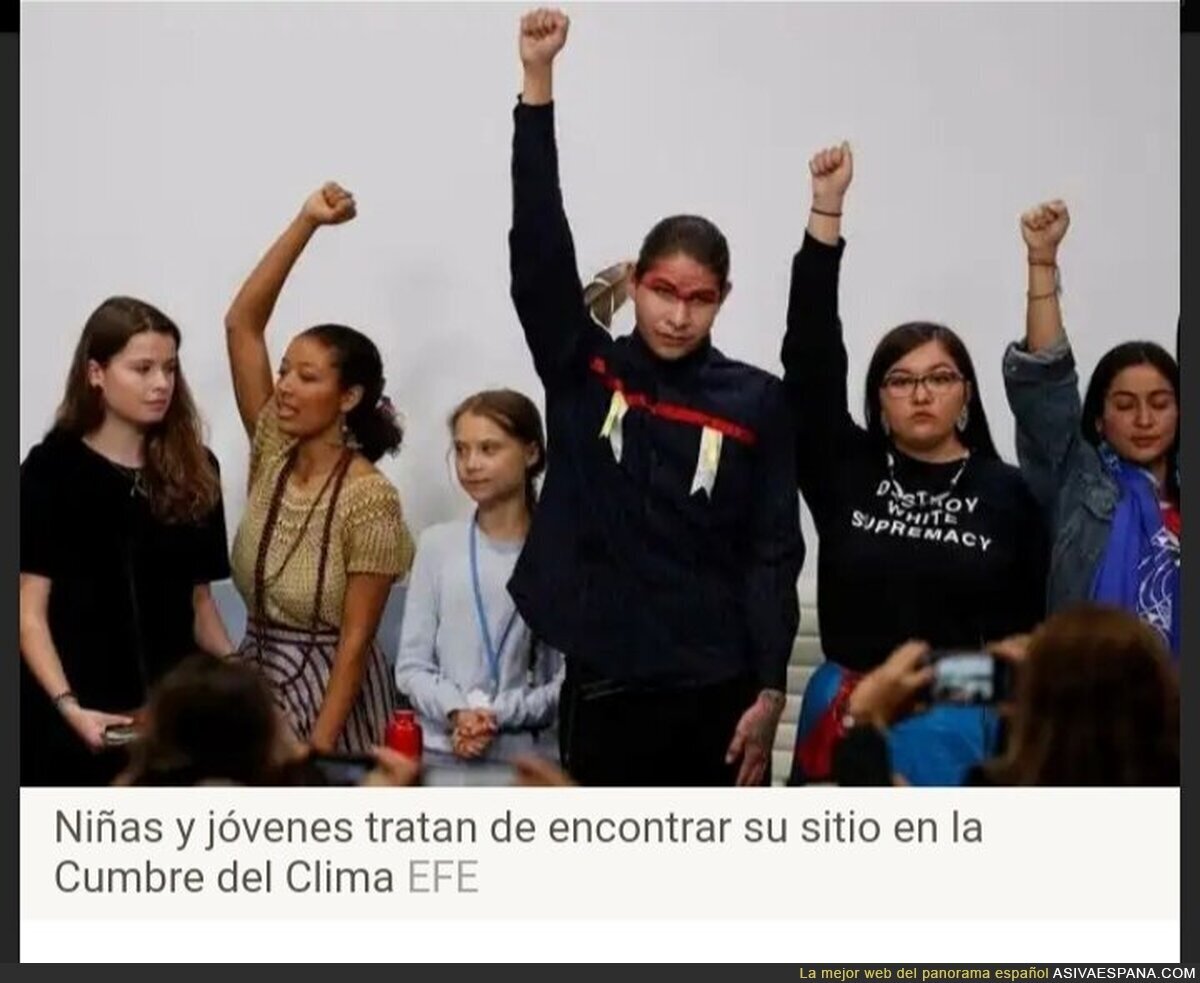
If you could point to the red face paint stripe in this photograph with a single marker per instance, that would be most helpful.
(670, 411)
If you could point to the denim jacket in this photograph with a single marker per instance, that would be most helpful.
(1062, 469)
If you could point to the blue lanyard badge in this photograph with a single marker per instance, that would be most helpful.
(493, 653)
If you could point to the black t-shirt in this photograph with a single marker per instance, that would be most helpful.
(952, 554)
(120, 608)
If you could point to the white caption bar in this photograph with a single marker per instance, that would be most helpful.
(462, 853)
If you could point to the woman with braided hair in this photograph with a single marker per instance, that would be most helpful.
(323, 537)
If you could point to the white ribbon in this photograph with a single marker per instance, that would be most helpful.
(707, 462)
(612, 424)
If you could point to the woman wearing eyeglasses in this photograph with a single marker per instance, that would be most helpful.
(924, 532)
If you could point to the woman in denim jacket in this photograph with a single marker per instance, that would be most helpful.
(1107, 471)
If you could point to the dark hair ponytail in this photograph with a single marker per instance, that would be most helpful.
(692, 235)
(373, 421)
(517, 415)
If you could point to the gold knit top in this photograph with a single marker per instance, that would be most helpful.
(368, 535)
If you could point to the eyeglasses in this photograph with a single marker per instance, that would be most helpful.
(938, 383)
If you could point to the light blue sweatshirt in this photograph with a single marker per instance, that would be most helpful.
(442, 665)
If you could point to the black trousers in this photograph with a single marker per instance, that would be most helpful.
(617, 734)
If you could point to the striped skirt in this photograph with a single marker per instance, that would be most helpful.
(297, 665)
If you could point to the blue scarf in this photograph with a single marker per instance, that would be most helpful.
(1140, 567)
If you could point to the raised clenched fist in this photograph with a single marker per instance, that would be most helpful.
(543, 33)
(832, 170)
(331, 204)
(1044, 226)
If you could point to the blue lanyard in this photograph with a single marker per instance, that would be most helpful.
(493, 653)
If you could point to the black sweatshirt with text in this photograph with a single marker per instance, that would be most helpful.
(951, 554)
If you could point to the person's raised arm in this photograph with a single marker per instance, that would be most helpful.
(545, 286)
(1043, 229)
(246, 320)
(543, 34)
(813, 354)
(1040, 377)
(832, 171)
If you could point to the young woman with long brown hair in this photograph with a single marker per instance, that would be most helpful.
(122, 530)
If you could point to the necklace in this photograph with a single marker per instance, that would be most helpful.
(281, 488)
(135, 476)
(899, 492)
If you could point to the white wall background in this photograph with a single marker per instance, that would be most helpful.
(163, 146)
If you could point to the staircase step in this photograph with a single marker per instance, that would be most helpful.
(806, 651)
(785, 737)
(781, 766)
(808, 620)
(797, 678)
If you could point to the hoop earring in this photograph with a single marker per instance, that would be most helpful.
(964, 418)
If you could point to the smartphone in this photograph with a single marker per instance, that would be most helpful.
(343, 769)
(118, 735)
(969, 678)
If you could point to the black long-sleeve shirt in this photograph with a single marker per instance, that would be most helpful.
(626, 568)
(905, 551)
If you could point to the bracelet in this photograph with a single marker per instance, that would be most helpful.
(62, 698)
(1042, 262)
(818, 211)
(1057, 283)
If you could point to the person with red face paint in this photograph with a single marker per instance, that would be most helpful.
(1107, 471)
(924, 532)
(323, 536)
(122, 531)
(663, 557)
